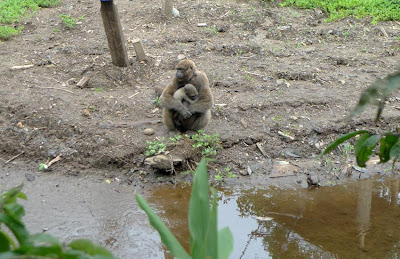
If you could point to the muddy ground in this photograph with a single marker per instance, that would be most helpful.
(282, 78)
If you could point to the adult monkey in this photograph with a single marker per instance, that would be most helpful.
(198, 114)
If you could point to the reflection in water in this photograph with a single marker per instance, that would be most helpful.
(361, 219)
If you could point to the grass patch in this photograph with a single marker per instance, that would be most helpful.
(379, 10)
(13, 11)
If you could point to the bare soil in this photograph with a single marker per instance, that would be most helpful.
(282, 78)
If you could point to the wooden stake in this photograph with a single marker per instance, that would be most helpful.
(137, 44)
(115, 37)
(167, 8)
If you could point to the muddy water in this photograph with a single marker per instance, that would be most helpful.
(358, 220)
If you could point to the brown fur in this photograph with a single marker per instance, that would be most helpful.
(196, 115)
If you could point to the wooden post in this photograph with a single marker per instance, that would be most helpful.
(167, 6)
(137, 44)
(115, 37)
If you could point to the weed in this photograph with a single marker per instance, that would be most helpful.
(12, 12)
(175, 138)
(346, 33)
(155, 147)
(299, 44)
(206, 143)
(249, 78)
(212, 29)
(68, 21)
(220, 176)
(98, 89)
(156, 101)
(379, 10)
(277, 118)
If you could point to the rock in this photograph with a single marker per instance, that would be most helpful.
(201, 24)
(181, 56)
(30, 177)
(148, 131)
(162, 161)
(175, 12)
(282, 83)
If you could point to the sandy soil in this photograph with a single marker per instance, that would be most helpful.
(282, 78)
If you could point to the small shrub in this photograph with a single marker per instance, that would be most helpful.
(7, 32)
(68, 21)
(155, 147)
(206, 143)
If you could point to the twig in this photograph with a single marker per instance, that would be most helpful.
(21, 67)
(254, 74)
(14, 157)
(284, 214)
(133, 95)
(55, 88)
(282, 175)
(58, 158)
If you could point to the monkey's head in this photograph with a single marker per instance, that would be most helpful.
(185, 70)
(191, 92)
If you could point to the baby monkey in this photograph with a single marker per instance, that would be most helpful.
(186, 95)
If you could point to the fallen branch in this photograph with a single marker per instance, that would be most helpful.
(58, 158)
(14, 157)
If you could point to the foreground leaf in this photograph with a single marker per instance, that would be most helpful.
(90, 248)
(199, 212)
(4, 242)
(342, 139)
(386, 145)
(225, 243)
(364, 147)
(395, 152)
(166, 236)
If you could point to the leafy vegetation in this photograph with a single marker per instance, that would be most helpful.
(389, 142)
(155, 147)
(17, 242)
(205, 239)
(379, 10)
(12, 12)
(206, 143)
(68, 21)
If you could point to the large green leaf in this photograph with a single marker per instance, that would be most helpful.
(386, 145)
(90, 248)
(199, 212)
(225, 243)
(364, 147)
(4, 242)
(76, 254)
(212, 237)
(341, 140)
(166, 236)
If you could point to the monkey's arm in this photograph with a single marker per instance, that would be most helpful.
(168, 101)
(204, 103)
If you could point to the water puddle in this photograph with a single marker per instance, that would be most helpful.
(360, 219)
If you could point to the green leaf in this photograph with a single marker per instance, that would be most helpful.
(16, 227)
(340, 140)
(45, 238)
(225, 243)
(166, 236)
(364, 147)
(52, 251)
(395, 152)
(212, 237)
(90, 248)
(76, 254)
(199, 212)
(386, 145)
(4, 242)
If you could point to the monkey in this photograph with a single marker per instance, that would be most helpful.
(187, 95)
(196, 115)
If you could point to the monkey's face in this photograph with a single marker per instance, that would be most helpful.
(184, 71)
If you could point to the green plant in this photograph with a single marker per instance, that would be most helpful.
(379, 10)
(389, 142)
(205, 239)
(276, 118)
(206, 143)
(98, 89)
(249, 78)
(17, 242)
(155, 147)
(69, 21)
(156, 101)
(12, 12)
(175, 138)
(220, 176)
(211, 29)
